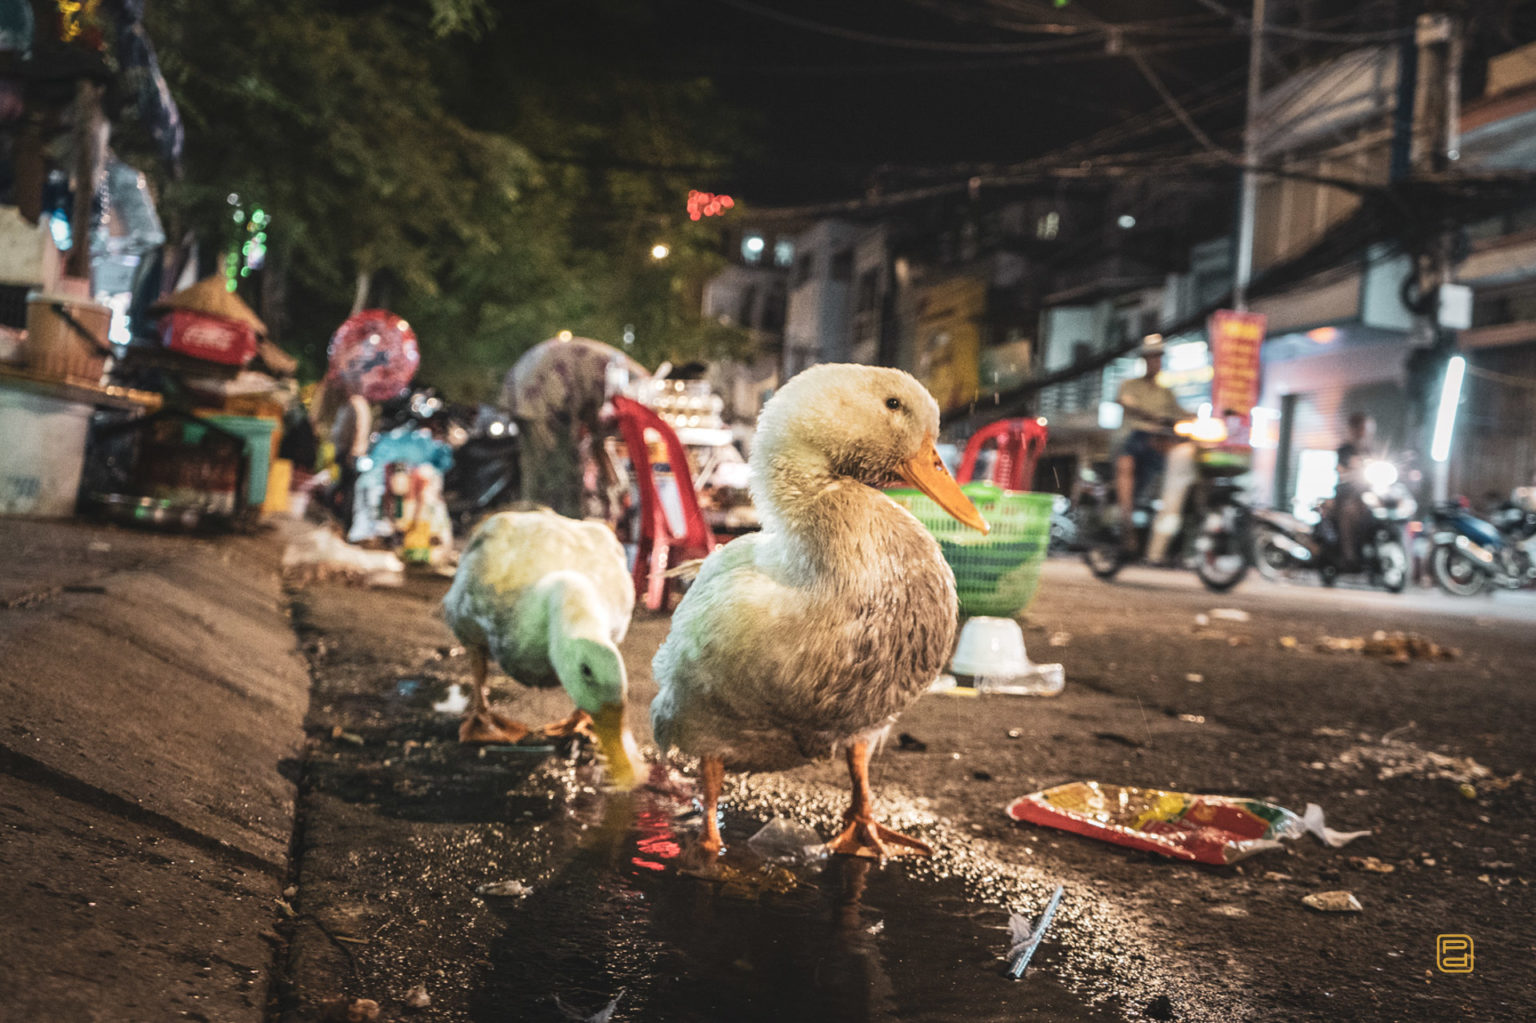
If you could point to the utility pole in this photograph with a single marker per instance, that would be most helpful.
(1436, 142)
(1247, 210)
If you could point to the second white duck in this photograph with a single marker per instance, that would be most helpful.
(548, 599)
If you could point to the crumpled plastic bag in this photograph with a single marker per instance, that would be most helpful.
(1312, 820)
(785, 841)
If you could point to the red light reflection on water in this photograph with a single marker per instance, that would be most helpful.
(655, 842)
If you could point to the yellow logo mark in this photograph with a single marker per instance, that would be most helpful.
(1453, 953)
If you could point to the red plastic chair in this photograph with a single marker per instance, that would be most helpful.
(1019, 443)
(659, 547)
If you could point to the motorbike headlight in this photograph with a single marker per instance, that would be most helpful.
(1208, 430)
(1380, 475)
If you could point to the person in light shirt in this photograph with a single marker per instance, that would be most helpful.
(1150, 412)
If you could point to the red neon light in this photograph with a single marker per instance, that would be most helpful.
(707, 204)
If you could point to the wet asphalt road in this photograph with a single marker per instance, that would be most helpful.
(593, 897)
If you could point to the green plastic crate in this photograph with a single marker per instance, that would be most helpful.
(996, 574)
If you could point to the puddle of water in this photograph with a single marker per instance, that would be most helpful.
(606, 902)
(436, 694)
(843, 939)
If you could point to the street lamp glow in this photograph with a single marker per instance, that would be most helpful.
(660, 251)
(1450, 397)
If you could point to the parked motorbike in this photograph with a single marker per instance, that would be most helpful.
(484, 476)
(1211, 541)
(1469, 553)
(1064, 526)
(1283, 544)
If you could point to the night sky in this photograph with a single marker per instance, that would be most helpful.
(843, 96)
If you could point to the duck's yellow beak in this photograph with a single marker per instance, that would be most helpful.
(925, 471)
(616, 745)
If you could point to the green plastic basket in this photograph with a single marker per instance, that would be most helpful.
(996, 574)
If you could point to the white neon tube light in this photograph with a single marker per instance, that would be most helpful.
(1450, 397)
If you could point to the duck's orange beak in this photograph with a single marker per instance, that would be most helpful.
(925, 471)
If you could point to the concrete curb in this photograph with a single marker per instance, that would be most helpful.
(155, 705)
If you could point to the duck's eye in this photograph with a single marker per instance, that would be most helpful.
(893, 403)
(586, 672)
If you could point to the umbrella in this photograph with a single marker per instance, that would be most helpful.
(374, 354)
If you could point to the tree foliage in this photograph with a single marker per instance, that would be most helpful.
(499, 178)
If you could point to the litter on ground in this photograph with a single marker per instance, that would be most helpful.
(1333, 902)
(1181, 825)
(1025, 935)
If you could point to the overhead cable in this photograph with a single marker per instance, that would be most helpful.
(1172, 103)
(1308, 35)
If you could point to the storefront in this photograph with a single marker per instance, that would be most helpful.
(1312, 382)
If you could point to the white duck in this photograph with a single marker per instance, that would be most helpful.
(549, 598)
(816, 632)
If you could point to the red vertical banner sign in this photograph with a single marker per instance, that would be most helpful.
(1236, 340)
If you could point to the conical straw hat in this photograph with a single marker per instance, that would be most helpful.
(210, 296)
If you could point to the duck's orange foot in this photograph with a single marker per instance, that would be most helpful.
(579, 723)
(490, 727)
(700, 856)
(864, 836)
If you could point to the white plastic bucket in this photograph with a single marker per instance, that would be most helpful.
(42, 452)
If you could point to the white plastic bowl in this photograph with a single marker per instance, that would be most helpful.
(990, 646)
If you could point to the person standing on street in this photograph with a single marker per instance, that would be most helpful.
(1348, 508)
(556, 393)
(351, 432)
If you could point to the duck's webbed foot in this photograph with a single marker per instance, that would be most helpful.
(487, 726)
(867, 837)
(700, 855)
(579, 723)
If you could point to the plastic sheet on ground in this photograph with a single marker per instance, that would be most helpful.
(1181, 825)
(320, 554)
